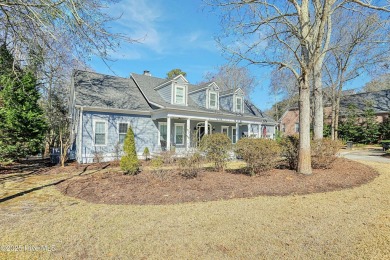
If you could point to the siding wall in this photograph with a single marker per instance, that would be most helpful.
(226, 102)
(199, 98)
(166, 93)
(144, 128)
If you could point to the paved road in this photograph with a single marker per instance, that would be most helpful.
(371, 154)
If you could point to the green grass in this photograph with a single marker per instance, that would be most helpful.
(350, 224)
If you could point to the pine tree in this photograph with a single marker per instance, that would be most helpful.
(129, 162)
(22, 123)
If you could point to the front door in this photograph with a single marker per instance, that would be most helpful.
(200, 131)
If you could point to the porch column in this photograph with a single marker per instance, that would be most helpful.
(188, 142)
(168, 133)
(206, 127)
(259, 130)
(249, 130)
(237, 132)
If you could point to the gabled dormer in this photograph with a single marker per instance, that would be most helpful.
(174, 91)
(232, 100)
(205, 95)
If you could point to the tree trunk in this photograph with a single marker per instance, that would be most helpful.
(336, 121)
(318, 119)
(304, 154)
(333, 115)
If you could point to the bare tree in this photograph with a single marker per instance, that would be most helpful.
(359, 44)
(232, 77)
(381, 83)
(291, 35)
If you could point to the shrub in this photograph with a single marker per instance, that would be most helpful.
(168, 157)
(216, 147)
(156, 164)
(323, 152)
(190, 166)
(259, 154)
(129, 162)
(146, 153)
(290, 147)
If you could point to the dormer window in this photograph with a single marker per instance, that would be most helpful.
(239, 104)
(213, 100)
(180, 95)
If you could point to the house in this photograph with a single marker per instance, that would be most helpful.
(379, 101)
(165, 114)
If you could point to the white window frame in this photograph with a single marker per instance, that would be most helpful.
(159, 132)
(105, 129)
(174, 137)
(225, 127)
(184, 95)
(234, 138)
(128, 125)
(216, 100)
(296, 127)
(236, 103)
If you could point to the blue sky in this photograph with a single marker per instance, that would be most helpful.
(172, 34)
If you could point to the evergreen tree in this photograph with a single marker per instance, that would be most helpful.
(129, 162)
(370, 127)
(22, 124)
(349, 130)
(385, 129)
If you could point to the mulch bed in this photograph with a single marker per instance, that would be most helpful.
(112, 187)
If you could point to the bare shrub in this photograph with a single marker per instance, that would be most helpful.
(290, 147)
(260, 154)
(216, 147)
(97, 156)
(323, 152)
(157, 164)
(191, 165)
(168, 157)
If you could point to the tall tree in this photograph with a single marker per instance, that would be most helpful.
(232, 77)
(175, 72)
(22, 124)
(290, 35)
(380, 83)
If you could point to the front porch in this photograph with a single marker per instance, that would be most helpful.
(184, 133)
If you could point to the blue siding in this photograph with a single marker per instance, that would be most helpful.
(166, 93)
(226, 102)
(199, 98)
(144, 128)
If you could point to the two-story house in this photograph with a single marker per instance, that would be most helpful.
(163, 113)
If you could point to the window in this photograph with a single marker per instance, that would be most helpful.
(213, 100)
(225, 130)
(162, 127)
(234, 135)
(179, 95)
(100, 133)
(179, 134)
(122, 132)
(296, 127)
(239, 104)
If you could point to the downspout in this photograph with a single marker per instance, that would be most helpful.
(81, 135)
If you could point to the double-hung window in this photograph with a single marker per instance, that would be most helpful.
(234, 135)
(100, 133)
(163, 131)
(179, 134)
(239, 104)
(122, 132)
(213, 100)
(180, 95)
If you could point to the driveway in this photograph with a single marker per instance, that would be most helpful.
(370, 154)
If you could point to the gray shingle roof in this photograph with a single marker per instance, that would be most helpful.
(98, 90)
(380, 101)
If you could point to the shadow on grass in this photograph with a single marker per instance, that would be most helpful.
(49, 185)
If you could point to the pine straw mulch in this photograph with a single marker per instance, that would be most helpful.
(112, 187)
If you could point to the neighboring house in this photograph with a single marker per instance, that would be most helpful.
(163, 113)
(379, 101)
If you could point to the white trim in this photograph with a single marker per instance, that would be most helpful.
(184, 95)
(225, 127)
(159, 132)
(128, 125)
(115, 110)
(235, 104)
(234, 140)
(174, 136)
(188, 133)
(216, 107)
(81, 134)
(94, 121)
